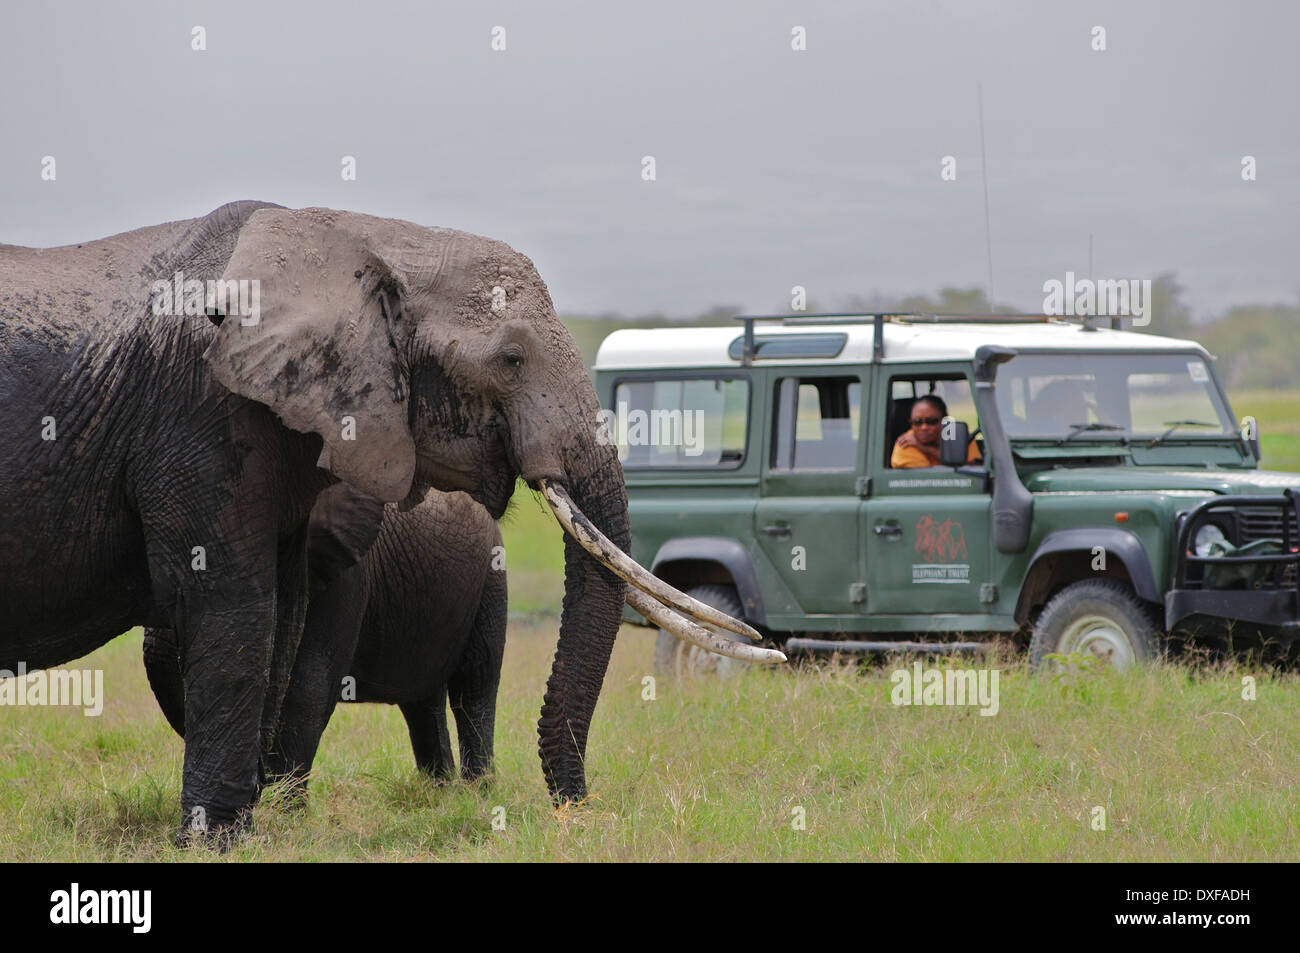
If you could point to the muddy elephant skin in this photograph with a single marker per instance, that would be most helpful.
(417, 618)
(161, 450)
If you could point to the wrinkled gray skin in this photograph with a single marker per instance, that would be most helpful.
(383, 357)
(416, 618)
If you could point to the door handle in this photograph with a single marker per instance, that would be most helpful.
(888, 529)
(780, 529)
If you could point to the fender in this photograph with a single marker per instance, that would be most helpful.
(1116, 542)
(725, 552)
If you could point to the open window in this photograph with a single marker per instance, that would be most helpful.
(954, 390)
(817, 423)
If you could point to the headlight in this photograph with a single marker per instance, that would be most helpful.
(1206, 536)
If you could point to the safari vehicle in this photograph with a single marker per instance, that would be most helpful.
(1115, 498)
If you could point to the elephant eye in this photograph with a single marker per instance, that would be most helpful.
(513, 359)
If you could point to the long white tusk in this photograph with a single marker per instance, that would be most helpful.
(577, 525)
(688, 631)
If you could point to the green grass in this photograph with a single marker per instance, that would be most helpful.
(1278, 414)
(1183, 766)
(534, 546)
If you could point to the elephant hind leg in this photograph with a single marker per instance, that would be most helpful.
(427, 723)
(162, 664)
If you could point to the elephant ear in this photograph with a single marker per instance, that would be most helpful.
(315, 339)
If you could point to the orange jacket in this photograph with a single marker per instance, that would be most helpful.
(909, 453)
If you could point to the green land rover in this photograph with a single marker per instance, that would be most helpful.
(1090, 491)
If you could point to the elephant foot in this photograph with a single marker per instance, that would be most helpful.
(220, 838)
(473, 771)
(438, 774)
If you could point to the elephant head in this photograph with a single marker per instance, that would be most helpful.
(432, 357)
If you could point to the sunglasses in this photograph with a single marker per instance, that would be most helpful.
(926, 421)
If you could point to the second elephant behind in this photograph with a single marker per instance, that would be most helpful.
(413, 617)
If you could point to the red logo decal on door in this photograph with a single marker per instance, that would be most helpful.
(940, 542)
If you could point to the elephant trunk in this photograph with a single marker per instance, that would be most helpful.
(593, 607)
(598, 577)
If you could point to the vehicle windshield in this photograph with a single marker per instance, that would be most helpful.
(1105, 396)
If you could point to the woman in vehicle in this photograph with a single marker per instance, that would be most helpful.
(919, 446)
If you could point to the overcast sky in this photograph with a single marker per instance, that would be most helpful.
(774, 167)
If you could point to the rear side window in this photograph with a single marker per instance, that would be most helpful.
(817, 423)
(680, 422)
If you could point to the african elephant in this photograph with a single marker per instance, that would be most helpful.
(416, 617)
(176, 397)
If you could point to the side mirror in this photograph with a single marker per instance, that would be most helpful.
(954, 438)
(1250, 434)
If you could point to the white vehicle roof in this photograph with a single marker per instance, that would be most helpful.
(904, 342)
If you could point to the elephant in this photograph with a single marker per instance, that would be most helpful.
(176, 397)
(415, 616)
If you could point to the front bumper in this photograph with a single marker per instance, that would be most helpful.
(1261, 588)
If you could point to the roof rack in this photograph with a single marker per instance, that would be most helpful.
(878, 318)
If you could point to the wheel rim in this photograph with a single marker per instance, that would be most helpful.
(1099, 636)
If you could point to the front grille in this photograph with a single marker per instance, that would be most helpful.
(1253, 522)
(1264, 522)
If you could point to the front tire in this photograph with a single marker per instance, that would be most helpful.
(682, 661)
(1099, 617)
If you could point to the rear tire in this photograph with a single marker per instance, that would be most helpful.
(680, 660)
(1100, 617)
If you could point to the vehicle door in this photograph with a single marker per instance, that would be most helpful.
(926, 531)
(806, 521)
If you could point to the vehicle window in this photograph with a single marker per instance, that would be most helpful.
(1157, 400)
(817, 423)
(1057, 402)
(904, 392)
(961, 402)
(680, 422)
(1134, 394)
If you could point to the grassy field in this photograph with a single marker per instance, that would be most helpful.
(1278, 415)
(1183, 767)
(534, 546)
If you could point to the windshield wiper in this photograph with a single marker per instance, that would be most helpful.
(1076, 429)
(1175, 424)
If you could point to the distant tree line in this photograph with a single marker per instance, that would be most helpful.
(1257, 345)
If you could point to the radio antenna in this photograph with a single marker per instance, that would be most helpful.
(984, 173)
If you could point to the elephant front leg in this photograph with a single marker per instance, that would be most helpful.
(226, 651)
(291, 616)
